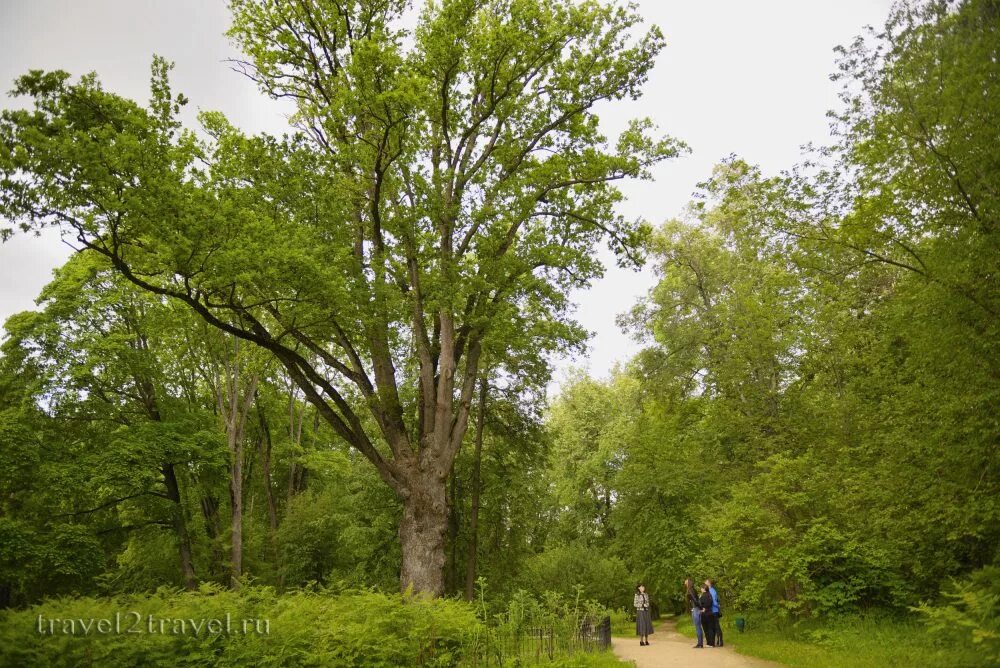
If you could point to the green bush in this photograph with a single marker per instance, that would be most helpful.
(561, 569)
(971, 618)
(622, 623)
(62, 558)
(305, 628)
(257, 627)
(343, 530)
(783, 544)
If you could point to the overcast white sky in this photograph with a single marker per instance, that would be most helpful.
(750, 78)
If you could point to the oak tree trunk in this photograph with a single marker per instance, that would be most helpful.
(422, 534)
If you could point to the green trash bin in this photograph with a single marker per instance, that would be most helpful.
(741, 624)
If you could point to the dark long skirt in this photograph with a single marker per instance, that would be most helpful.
(643, 623)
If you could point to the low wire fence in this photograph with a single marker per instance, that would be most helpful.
(507, 646)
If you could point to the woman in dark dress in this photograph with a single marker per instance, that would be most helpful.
(643, 622)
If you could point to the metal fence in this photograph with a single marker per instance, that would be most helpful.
(541, 644)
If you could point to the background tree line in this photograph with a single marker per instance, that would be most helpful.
(813, 418)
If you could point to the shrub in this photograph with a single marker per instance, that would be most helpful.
(62, 558)
(310, 627)
(971, 618)
(562, 569)
(305, 628)
(783, 544)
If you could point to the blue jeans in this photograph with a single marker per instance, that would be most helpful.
(696, 618)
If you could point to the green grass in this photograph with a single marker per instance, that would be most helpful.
(622, 624)
(848, 642)
(592, 660)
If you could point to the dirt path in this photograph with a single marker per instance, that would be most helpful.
(668, 648)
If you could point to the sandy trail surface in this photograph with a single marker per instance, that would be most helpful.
(668, 648)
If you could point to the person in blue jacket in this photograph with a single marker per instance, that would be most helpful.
(716, 613)
(707, 616)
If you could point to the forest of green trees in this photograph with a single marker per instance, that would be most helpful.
(282, 370)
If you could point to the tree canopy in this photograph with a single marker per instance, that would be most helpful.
(440, 190)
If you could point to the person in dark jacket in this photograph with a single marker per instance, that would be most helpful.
(716, 610)
(707, 616)
(694, 605)
(643, 621)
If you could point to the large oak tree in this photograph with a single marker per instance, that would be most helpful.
(442, 188)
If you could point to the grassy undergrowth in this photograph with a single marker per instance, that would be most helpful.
(622, 624)
(257, 627)
(848, 642)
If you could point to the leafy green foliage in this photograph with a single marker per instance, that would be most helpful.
(969, 617)
(576, 570)
(342, 533)
(60, 558)
(790, 539)
(311, 627)
(302, 629)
